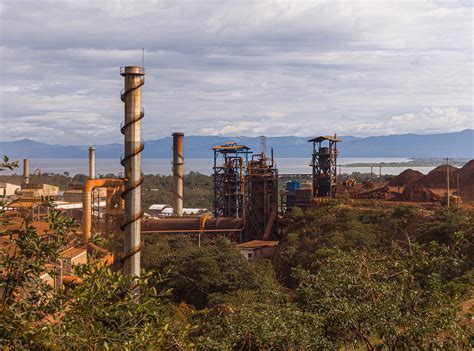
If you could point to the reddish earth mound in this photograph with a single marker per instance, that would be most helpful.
(466, 173)
(437, 178)
(418, 193)
(466, 181)
(408, 176)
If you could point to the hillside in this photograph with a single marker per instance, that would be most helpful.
(455, 145)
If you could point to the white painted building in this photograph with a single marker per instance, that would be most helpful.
(167, 210)
(8, 189)
(258, 249)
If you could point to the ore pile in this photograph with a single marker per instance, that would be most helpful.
(405, 178)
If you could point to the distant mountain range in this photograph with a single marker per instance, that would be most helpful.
(455, 145)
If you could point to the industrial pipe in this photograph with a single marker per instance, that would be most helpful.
(26, 173)
(91, 162)
(178, 174)
(192, 225)
(131, 96)
(269, 225)
(90, 185)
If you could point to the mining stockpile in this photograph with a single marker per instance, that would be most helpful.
(418, 193)
(437, 178)
(466, 181)
(405, 178)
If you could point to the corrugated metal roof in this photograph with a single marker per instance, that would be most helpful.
(42, 228)
(73, 252)
(255, 244)
(322, 138)
(230, 146)
(73, 191)
(24, 204)
(158, 207)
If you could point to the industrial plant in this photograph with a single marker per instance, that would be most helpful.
(248, 205)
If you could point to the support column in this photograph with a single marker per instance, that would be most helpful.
(178, 173)
(26, 173)
(132, 167)
(91, 162)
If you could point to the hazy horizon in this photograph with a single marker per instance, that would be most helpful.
(234, 136)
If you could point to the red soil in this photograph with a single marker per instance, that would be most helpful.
(466, 181)
(408, 176)
(424, 188)
(418, 193)
(437, 178)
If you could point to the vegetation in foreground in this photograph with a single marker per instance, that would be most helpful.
(344, 277)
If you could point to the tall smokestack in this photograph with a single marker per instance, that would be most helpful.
(91, 162)
(26, 172)
(131, 96)
(178, 173)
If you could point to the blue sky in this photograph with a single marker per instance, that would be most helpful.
(236, 67)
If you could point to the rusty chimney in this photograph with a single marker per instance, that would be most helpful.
(178, 173)
(26, 173)
(131, 96)
(91, 162)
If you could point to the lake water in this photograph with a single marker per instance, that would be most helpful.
(202, 165)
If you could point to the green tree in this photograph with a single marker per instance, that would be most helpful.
(214, 270)
(394, 301)
(101, 312)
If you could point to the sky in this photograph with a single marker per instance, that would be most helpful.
(236, 68)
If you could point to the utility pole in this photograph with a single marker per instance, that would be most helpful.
(380, 170)
(371, 172)
(447, 179)
(458, 184)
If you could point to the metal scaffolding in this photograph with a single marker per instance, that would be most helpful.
(262, 178)
(96, 211)
(230, 164)
(324, 164)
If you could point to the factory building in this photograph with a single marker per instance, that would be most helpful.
(165, 210)
(245, 195)
(8, 189)
(40, 190)
(71, 257)
(256, 249)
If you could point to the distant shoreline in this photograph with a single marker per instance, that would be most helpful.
(430, 162)
(457, 162)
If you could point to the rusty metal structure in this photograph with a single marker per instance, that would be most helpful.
(87, 200)
(95, 192)
(178, 174)
(131, 129)
(190, 225)
(230, 188)
(262, 178)
(324, 166)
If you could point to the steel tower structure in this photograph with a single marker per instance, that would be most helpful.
(230, 188)
(324, 165)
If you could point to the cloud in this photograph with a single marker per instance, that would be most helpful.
(428, 120)
(249, 67)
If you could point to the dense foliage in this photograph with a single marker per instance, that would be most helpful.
(208, 275)
(344, 277)
(197, 190)
(157, 189)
